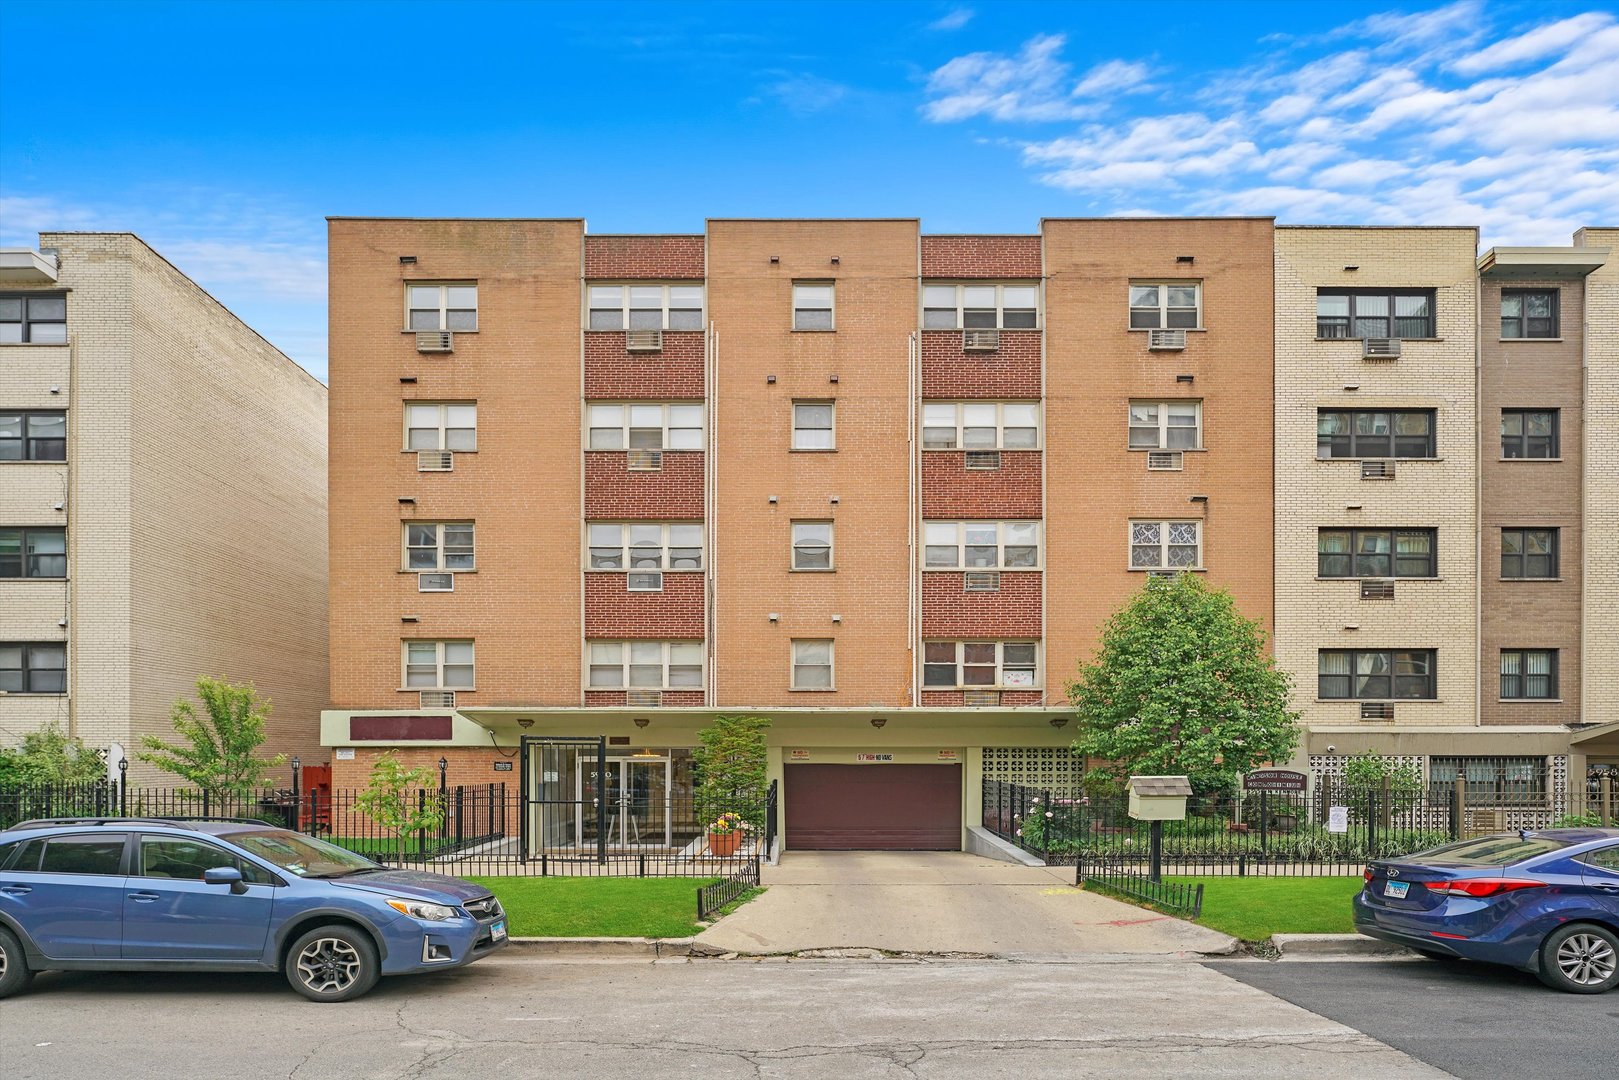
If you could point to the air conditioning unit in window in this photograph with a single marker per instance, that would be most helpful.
(980, 340)
(643, 340)
(1377, 469)
(1377, 710)
(435, 582)
(1166, 460)
(1380, 348)
(435, 460)
(643, 698)
(983, 581)
(437, 699)
(980, 698)
(645, 460)
(1166, 340)
(983, 459)
(1170, 575)
(435, 341)
(1377, 589)
(644, 581)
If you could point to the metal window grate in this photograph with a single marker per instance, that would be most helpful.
(437, 699)
(980, 340)
(643, 698)
(644, 581)
(983, 459)
(1166, 340)
(435, 582)
(1377, 589)
(645, 460)
(435, 460)
(1377, 469)
(1380, 348)
(983, 581)
(643, 340)
(978, 698)
(1377, 710)
(1166, 461)
(1169, 574)
(435, 341)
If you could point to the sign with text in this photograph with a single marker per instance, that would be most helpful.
(874, 757)
(799, 755)
(503, 766)
(1338, 819)
(1274, 780)
(345, 753)
(949, 755)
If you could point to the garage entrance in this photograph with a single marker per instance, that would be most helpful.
(873, 807)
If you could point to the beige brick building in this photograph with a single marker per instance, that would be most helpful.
(162, 508)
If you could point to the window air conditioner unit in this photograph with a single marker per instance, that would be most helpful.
(1166, 460)
(438, 699)
(645, 460)
(1380, 348)
(435, 460)
(983, 459)
(1377, 469)
(435, 341)
(1377, 710)
(435, 582)
(1166, 340)
(1169, 575)
(1377, 589)
(644, 581)
(980, 340)
(643, 698)
(980, 698)
(643, 340)
(983, 581)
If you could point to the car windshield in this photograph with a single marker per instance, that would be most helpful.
(1489, 850)
(303, 856)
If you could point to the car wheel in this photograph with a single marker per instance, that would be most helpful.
(333, 963)
(14, 973)
(1581, 958)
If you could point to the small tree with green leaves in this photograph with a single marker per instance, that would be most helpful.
(391, 799)
(219, 751)
(1372, 773)
(1182, 684)
(732, 768)
(51, 756)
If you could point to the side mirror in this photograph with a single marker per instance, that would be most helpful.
(225, 875)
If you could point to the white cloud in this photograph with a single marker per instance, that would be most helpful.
(1112, 77)
(804, 94)
(1537, 44)
(1033, 85)
(954, 20)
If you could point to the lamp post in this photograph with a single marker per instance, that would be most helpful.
(123, 787)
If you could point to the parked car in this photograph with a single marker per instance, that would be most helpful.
(1545, 902)
(151, 894)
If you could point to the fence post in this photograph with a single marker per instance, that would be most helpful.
(1155, 845)
(1049, 824)
(1386, 821)
(1371, 823)
(1264, 822)
(1605, 787)
(314, 811)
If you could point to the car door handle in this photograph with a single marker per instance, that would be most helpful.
(144, 897)
(1604, 888)
(15, 890)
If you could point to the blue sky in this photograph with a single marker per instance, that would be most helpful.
(225, 133)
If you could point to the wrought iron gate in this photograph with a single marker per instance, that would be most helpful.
(562, 811)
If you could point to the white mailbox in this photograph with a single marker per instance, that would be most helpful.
(1159, 798)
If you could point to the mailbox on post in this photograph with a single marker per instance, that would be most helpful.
(1159, 798)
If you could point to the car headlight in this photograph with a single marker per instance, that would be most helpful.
(421, 909)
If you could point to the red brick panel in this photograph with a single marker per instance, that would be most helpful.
(643, 258)
(950, 611)
(951, 490)
(611, 611)
(673, 493)
(1013, 371)
(997, 257)
(674, 699)
(613, 372)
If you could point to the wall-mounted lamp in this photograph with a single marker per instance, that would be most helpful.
(61, 622)
(1059, 721)
(56, 389)
(878, 721)
(773, 500)
(525, 722)
(407, 260)
(58, 506)
(641, 721)
(775, 616)
(775, 259)
(834, 500)
(837, 618)
(1183, 378)
(834, 260)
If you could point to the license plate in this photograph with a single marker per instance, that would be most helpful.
(1396, 890)
(498, 931)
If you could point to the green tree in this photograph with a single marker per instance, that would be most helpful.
(51, 756)
(1182, 684)
(732, 769)
(389, 798)
(219, 754)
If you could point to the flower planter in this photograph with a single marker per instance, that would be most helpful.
(723, 845)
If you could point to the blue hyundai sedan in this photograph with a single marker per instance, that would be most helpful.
(150, 894)
(1545, 902)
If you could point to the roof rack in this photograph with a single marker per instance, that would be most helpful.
(177, 822)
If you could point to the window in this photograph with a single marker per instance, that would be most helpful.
(646, 307)
(1529, 553)
(441, 427)
(186, 860)
(1528, 674)
(646, 427)
(1374, 313)
(1166, 425)
(1490, 779)
(1166, 545)
(439, 546)
(812, 545)
(980, 425)
(33, 667)
(981, 545)
(812, 664)
(34, 553)
(1528, 433)
(41, 320)
(33, 436)
(438, 665)
(1528, 313)
(101, 853)
(1376, 553)
(1011, 664)
(954, 307)
(1371, 675)
(645, 545)
(1350, 434)
(443, 307)
(812, 425)
(1166, 305)
(812, 305)
(652, 665)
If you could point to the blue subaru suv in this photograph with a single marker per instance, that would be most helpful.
(157, 894)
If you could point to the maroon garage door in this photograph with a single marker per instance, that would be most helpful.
(872, 807)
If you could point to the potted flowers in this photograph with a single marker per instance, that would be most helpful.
(725, 834)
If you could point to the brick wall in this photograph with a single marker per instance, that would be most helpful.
(643, 258)
(614, 699)
(1600, 645)
(614, 373)
(950, 611)
(951, 490)
(613, 492)
(984, 257)
(952, 699)
(611, 611)
(1011, 372)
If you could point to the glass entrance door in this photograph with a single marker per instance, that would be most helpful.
(635, 803)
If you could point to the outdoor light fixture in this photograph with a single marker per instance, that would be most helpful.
(775, 615)
(1059, 721)
(837, 618)
(834, 260)
(834, 500)
(56, 389)
(525, 723)
(878, 721)
(641, 721)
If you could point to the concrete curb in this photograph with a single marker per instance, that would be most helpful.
(605, 947)
(1333, 945)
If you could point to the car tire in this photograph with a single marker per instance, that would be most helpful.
(14, 973)
(331, 963)
(1580, 958)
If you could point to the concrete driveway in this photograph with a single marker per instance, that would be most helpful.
(944, 903)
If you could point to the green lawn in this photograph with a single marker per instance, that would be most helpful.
(1254, 908)
(598, 906)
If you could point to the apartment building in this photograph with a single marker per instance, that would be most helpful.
(162, 512)
(879, 486)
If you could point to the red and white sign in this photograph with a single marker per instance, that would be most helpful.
(798, 755)
(949, 755)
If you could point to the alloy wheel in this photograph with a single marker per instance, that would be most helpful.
(328, 965)
(3, 959)
(1587, 959)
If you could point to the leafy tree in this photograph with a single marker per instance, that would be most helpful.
(1182, 684)
(51, 756)
(732, 769)
(388, 798)
(219, 754)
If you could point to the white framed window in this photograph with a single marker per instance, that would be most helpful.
(812, 545)
(441, 426)
(449, 306)
(1166, 305)
(812, 664)
(645, 426)
(1166, 545)
(813, 425)
(979, 305)
(645, 545)
(981, 545)
(1166, 425)
(649, 665)
(443, 546)
(645, 307)
(950, 665)
(981, 425)
(812, 305)
(438, 665)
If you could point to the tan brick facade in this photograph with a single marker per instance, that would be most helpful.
(1600, 511)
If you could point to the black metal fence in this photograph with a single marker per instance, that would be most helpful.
(711, 898)
(1176, 897)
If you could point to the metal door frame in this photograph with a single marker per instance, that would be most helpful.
(534, 802)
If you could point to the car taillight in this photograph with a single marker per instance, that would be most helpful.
(1368, 874)
(1480, 887)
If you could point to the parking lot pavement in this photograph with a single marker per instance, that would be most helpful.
(714, 1019)
(1470, 1020)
